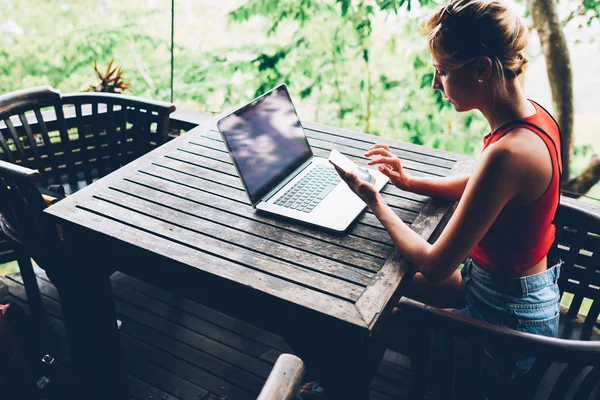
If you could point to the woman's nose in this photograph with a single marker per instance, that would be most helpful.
(435, 84)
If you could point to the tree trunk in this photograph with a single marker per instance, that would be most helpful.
(558, 64)
(584, 182)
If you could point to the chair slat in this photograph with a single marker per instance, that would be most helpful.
(589, 383)
(569, 260)
(565, 381)
(593, 313)
(65, 144)
(534, 378)
(16, 140)
(113, 137)
(83, 139)
(48, 146)
(162, 130)
(8, 155)
(32, 142)
(125, 134)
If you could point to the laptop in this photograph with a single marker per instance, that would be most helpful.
(278, 169)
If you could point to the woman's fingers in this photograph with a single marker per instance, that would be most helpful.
(392, 162)
(348, 177)
(378, 152)
(380, 146)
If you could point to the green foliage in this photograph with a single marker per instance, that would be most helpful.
(348, 80)
(354, 63)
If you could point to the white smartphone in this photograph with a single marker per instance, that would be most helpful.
(347, 165)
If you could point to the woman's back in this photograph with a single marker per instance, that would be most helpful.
(522, 234)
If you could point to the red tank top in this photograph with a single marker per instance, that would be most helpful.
(522, 236)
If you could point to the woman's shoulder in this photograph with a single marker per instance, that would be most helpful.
(519, 149)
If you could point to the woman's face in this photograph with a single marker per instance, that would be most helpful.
(458, 86)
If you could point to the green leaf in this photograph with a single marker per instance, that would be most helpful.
(306, 92)
(345, 6)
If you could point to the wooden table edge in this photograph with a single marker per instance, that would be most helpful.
(394, 273)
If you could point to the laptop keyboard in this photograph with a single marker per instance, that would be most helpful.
(308, 192)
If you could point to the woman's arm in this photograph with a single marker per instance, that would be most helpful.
(449, 188)
(491, 186)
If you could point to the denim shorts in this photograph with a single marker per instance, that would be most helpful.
(527, 304)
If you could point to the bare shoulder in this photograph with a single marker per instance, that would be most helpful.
(528, 161)
(526, 148)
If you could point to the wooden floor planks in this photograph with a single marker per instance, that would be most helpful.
(177, 349)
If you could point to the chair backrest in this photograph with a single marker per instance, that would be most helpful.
(81, 136)
(30, 129)
(578, 245)
(561, 366)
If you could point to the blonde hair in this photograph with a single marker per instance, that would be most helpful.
(464, 30)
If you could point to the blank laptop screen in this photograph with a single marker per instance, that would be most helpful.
(266, 140)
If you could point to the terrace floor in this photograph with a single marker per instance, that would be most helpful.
(178, 349)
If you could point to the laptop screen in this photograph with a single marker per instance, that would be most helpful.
(266, 141)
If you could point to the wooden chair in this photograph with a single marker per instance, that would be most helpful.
(21, 206)
(74, 139)
(284, 379)
(564, 366)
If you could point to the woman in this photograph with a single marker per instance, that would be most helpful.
(502, 225)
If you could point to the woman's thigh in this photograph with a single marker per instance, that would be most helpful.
(444, 294)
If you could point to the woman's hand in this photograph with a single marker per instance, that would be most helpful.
(365, 190)
(389, 165)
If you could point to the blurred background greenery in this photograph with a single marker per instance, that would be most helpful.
(358, 64)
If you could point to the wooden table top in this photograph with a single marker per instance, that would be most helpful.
(184, 202)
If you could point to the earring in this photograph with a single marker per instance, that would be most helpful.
(480, 80)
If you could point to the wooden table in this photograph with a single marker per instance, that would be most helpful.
(178, 218)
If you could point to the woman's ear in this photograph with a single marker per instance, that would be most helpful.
(484, 68)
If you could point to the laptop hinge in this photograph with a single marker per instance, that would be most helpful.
(287, 180)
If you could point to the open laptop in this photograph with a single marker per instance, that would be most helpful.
(277, 167)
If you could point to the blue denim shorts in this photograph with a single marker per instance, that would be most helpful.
(528, 304)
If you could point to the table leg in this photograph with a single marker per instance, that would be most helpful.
(91, 324)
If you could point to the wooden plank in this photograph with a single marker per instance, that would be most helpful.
(141, 390)
(358, 156)
(156, 236)
(393, 143)
(48, 149)
(7, 154)
(205, 142)
(58, 346)
(206, 191)
(32, 142)
(322, 149)
(218, 165)
(385, 285)
(201, 312)
(176, 386)
(81, 143)
(215, 350)
(310, 253)
(238, 246)
(223, 348)
(156, 329)
(213, 185)
(243, 217)
(16, 139)
(397, 148)
(197, 358)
